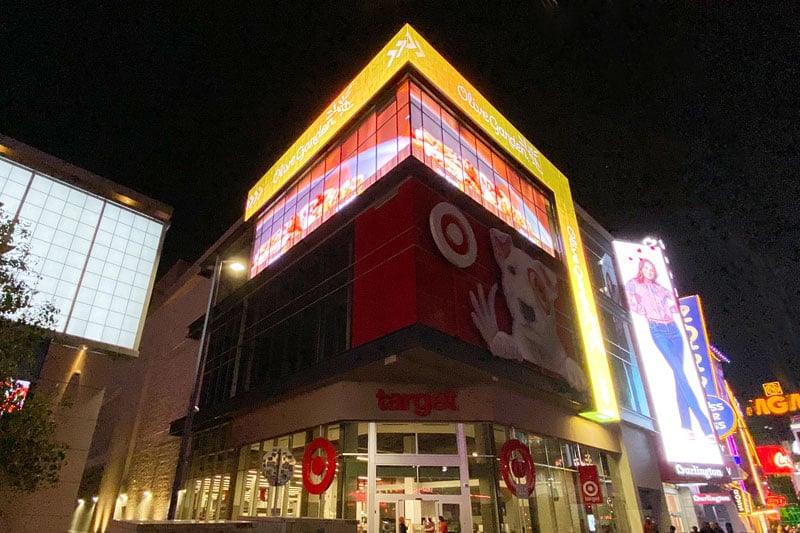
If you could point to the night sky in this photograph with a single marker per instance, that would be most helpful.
(680, 119)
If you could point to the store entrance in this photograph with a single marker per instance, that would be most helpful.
(414, 510)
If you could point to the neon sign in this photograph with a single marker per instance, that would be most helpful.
(722, 416)
(711, 499)
(695, 325)
(773, 388)
(775, 461)
(776, 500)
(739, 500)
(774, 405)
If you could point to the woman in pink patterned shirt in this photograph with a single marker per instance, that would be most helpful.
(657, 304)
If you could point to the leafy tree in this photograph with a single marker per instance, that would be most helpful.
(29, 456)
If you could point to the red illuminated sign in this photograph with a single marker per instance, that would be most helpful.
(12, 395)
(775, 461)
(319, 465)
(421, 403)
(776, 500)
(517, 468)
(590, 484)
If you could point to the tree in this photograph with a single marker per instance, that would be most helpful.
(29, 456)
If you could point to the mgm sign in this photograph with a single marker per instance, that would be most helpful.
(774, 404)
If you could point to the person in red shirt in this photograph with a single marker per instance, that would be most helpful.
(442, 525)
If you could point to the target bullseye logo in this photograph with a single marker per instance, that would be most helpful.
(589, 478)
(590, 488)
(319, 465)
(516, 466)
(453, 235)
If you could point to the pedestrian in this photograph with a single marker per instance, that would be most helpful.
(430, 527)
(402, 528)
(706, 528)
(442, 524)
(715, 527)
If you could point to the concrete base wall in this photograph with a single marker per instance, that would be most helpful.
(177, 526)
(256, 525)
(301, 525)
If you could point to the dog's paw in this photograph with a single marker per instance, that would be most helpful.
(483, 313)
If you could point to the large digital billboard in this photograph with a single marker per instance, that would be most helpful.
(408, 48)
(411, 124)
(95, 259)
(687, 433)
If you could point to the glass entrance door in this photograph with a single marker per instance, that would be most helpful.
(417, 511)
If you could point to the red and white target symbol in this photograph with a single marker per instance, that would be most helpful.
(319, 465)
(453, 235)
(516, 465)
(590, 489)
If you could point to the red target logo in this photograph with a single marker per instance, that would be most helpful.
(319, 465)
(516, 465)
(590, 484)
(590, 488)
(453, 235)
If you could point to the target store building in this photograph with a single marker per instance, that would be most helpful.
(418, 333)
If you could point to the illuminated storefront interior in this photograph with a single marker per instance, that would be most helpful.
(417, 470)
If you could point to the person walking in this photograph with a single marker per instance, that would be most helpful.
(442, 524)
(430, 527)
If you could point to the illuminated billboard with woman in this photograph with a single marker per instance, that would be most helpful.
(678, 398)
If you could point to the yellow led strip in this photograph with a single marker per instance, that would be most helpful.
(749, 445)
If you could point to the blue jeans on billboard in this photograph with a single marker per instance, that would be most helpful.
(667, 337)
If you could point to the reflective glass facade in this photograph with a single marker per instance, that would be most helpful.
(96, 259)
(416, 470)
(412, 123)
(615, 321)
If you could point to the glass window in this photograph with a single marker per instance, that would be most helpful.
(396, 438)
(421, 127)
(556, 503)
(74, 235)
(437, 438)
(410, 438)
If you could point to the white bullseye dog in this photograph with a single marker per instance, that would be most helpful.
(530, 291)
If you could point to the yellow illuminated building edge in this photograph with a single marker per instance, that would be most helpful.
(409, 48)
(711, 356)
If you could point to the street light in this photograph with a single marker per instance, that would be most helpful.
(202, 351)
